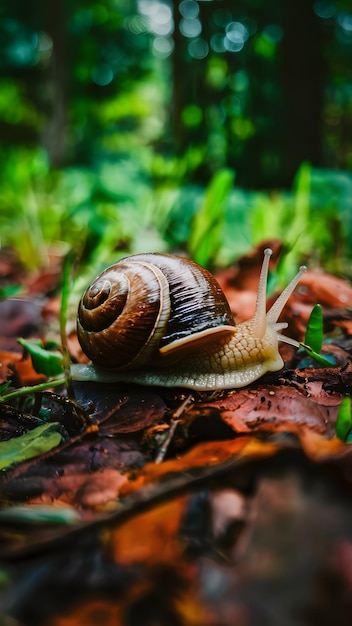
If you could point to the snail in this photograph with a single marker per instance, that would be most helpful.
(160, 319)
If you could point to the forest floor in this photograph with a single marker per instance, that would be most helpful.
(143, 506)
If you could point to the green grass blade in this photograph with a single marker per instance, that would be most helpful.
(205, 236)
(322, 360)
(344, 419)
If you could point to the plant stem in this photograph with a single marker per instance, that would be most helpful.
(66, 285)
(32, 389)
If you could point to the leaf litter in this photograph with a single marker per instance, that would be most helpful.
(246, 518)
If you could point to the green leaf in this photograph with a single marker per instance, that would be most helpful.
(3, 387)
(44, 362)
(344, 420)
(322, 360)
(33, 443)
(8, 291)
(39, 514)
(205, 236)
(314, 333)
(314, 337)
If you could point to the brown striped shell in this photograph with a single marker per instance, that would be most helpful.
(147, 306)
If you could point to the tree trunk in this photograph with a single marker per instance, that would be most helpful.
(55, 131)
(302, 80)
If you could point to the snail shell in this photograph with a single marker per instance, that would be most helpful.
(160, 319)
(148, 302)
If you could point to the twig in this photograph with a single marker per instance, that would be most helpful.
(175, 421)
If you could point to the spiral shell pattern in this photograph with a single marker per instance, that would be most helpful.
(145, 302)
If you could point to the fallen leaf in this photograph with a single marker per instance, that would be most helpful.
(14, 367)
(32, 444)
(120, 408)
(88, 474)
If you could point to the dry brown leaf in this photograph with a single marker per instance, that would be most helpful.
(207, 454)
(14, 366)
(150, 536)
(88, 475)
(275, 408)
(119, 408)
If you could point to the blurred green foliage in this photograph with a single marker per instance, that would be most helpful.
(195, 126)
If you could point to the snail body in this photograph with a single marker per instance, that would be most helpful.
(159, 319)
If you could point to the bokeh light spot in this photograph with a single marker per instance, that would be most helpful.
(345, 21)
(273, 32)
(221, 17)
(217, 43)
(163, 46)
(217, 72)
(190, 27)
(243, 128)
(236, 36)
(237, 32)
(189, 9)
(231, 46)
(325, 10)
(239, 81)
(136, 24)
(102, 75)
(198, 48)
(158, 16)
(232, 106)
(192, 115)
(45, 43)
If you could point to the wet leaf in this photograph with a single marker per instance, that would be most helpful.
(12, 365)
(344, 419)
(88, 474)
(322, 360)
(35, 442)
(314, 338)
(36, 514)
(314, 332)
(152, 542)
(3, 387)
(44, 362)
(121, 408)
